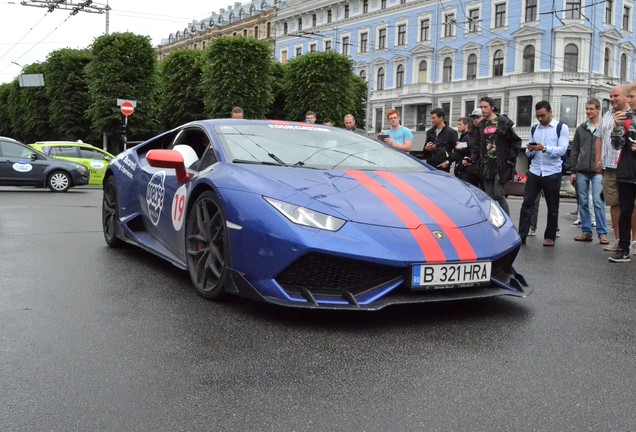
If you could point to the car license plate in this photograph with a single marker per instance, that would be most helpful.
(449, 275)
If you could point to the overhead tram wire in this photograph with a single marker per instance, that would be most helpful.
(25, 35)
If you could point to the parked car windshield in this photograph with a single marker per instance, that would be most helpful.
(310, 146)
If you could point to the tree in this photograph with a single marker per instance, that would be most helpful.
(236, 74)
(122, 66)
(6, 128)
(320, 82)
(67, 89)
(30, 113)
(277, 79)
(180, 95)
(359, 99)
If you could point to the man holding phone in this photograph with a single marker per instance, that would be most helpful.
(398, 136)
(607, 159)
(546, 147)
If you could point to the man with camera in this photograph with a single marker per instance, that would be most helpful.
(546, 146)
(607, 160)
(623, 140)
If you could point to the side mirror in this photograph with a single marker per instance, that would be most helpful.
(34, 156)
(168, 159)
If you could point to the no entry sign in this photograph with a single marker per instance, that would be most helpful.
(127, 108)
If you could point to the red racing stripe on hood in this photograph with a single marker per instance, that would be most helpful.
(454, 234)
(427, 242)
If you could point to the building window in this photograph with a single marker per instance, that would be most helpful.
(498, 63)
(314, 20)
(345, 45)
(626, 14)
(422, 72)
(312, 47)
(241, 15)
(573, 9)
(299, 51)
(469, 107)
(283, 56)
(623, 67)
(328, 46)
(471, 67)
(399, 76)
(346, 11)
(528, 59)
(500, 15)
(531, 10)
(446, 107)
(300, 24)
(608, 11)
(252, 10)
(571, 58)
(569, 107)
(606, 62)
(473, 20)
(244, 32)
(524, 111)
(449, 25)
(256, 34)
(231, 19)
(382, 39)
(401, 35)
(447, 74)
(269, 30)
(365, 6)
(425, 30)
(382, 4)
(380, 80)
(363, 75)
(285, 28)
(329, 16)
(364, 42)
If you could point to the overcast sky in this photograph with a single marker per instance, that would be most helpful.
(28, 34)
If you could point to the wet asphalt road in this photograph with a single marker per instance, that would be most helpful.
(95, 339)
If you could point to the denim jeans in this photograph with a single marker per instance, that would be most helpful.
(583, 182)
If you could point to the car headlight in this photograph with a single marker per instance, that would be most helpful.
(304, 216)
(496, 216)
(81, 168)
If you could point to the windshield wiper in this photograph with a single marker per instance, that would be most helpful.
(257, 162)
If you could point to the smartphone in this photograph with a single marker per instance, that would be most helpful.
(383, 136)
(461, 145)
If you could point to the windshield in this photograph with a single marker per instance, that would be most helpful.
(308, 146)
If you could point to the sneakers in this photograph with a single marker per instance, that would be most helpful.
(532, 232)
(612, 246)
(576, 223)
(620, 256)
(594, 224)
(558, 234)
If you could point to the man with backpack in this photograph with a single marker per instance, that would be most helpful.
(547, 145)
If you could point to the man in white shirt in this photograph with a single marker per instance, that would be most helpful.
(548, 143)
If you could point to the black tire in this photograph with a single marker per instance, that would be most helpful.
(207, 247)
(59, 181)
(110, 214)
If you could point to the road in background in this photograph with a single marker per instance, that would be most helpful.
(99, 339)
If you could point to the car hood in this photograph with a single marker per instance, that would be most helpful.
(371, 197)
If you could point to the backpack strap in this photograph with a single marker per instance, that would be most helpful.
(558, 129)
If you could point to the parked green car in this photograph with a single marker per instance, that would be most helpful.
(93, 158)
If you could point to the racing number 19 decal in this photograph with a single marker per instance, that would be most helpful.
(178, 208)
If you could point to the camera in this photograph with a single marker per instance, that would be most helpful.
(628, 115)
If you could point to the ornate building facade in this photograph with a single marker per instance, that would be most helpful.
(421, 54)
(252, 19)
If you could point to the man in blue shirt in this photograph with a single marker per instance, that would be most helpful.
(545, 147)
(398, 136)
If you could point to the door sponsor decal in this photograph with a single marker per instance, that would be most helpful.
(22, 166)
(97, 164)
(155, 194)
(178, 207)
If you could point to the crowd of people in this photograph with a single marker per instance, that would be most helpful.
(483, 151)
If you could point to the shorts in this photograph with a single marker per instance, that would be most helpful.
(610, 188)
